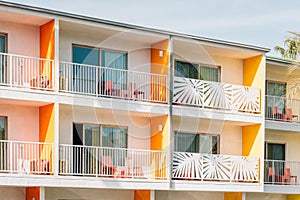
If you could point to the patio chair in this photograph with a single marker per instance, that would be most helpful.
(289, 115)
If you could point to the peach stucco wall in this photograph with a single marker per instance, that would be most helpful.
(22, 39)
(23, 122)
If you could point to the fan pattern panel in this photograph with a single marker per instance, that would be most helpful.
(217, 95)
(211, 167)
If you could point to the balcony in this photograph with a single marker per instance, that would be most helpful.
(30, 158)
(213, 167)
(280, 172)
(281, 109)
(26, 72)
(113, 83)
(216, 95)
(112, 162)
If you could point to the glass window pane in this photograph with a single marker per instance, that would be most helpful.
(92, 135)
(185, 142)
(3, 128)
(84, 77)
(115, 60)
(3, 70)
(276, 91)
(114, 137)
(85, 55)
(186, 70)
(209, 73)
(209, 144)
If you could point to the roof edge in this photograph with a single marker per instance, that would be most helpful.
(131, 26)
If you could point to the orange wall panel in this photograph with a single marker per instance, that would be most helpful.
(33, 192)
(46, 128)
(159, 65)
(47, 46)
(252, 140)
(141, 194)
(159, 141)
(232, 196)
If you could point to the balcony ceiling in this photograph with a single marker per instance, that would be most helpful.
(287, 71)
(22, 102)
(110, 34)
(7, 16)
(189, 48)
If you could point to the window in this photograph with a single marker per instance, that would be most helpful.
(84, 77)
(3, 136)
(3, 47)
(3, 128)
(197, 71)
(95, 135)
(196, 143)
(275, 151)
(275, 91)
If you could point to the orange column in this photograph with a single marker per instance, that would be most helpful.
(159, 65)
(159, 141)
(141, 194)
(46, 126)
(47, 49)
(232, 196)
(33, 192)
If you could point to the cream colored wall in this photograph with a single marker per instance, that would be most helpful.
(291, 140)
(230, 135)
(22, 39)
(231, 69)
(12, 193)
(87, 194)
(285, 75)
(174, 195)
(265, 196)
(138, 126)
(23, 122)
(138, 53)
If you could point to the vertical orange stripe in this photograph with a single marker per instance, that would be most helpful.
(47, 42)
(141, 194)
(159, 65)
(33, 192)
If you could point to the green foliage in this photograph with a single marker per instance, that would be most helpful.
(291, 47)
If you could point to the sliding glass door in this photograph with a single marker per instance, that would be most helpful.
(114, 69)
(3, 136)
(3, 61)
(197, 71)
(84, 76)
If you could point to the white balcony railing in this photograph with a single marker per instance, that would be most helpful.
(282, 109)
(26, 72)
(282, 172)
(112, 162)
(212, 167)
(25, 157)
(109, 82)
(218, 95)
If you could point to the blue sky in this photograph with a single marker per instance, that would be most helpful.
(256, 22)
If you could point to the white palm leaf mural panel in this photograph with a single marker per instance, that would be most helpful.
(245, 168)
(188, 91)
(216, 167)
(246, 98)
(217, 95)
(187, 165)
